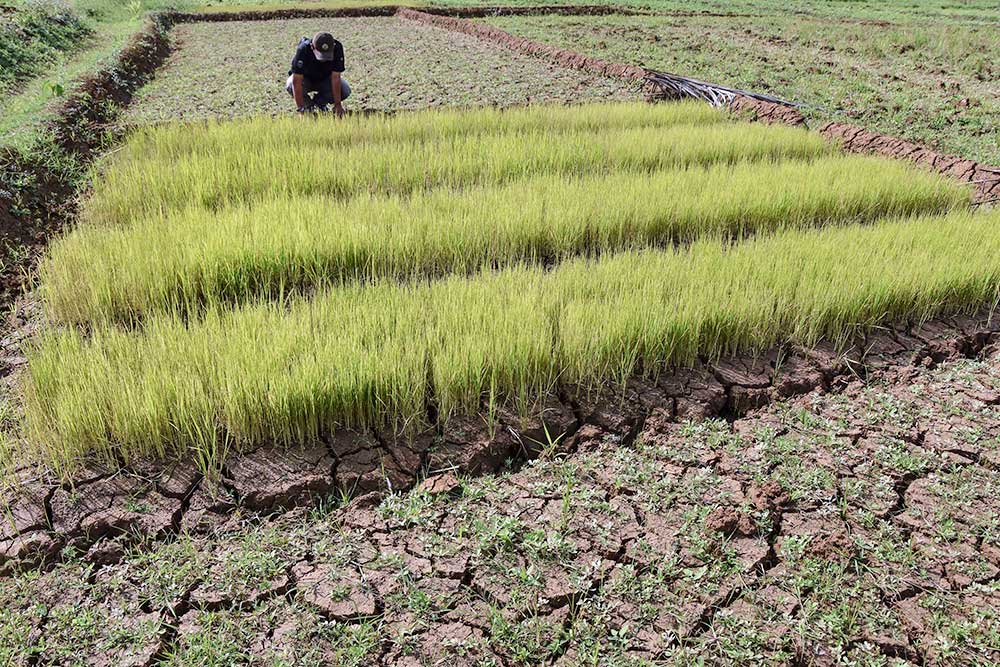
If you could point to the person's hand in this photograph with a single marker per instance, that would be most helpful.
(339, 110)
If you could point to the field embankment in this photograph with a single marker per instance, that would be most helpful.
(32, 37)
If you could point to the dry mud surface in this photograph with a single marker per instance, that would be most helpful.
(392, 64)
(853, 517)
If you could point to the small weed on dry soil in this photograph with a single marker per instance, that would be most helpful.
(392, 64)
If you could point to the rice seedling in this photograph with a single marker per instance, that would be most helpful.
(196, 257)
(371, 355)
(225, 139)
(136, 189)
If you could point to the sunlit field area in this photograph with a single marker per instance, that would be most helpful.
(520, 362)
(221, 293)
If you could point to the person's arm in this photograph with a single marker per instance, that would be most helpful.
(338, 68)
(297, 92)
(338, 105)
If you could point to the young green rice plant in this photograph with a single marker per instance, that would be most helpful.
(368, 356)
(139, 189)
(228, 139)
(341, 359)
(196, 257)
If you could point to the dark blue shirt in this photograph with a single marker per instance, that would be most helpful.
(306, 63)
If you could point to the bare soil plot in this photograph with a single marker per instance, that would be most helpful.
(935, 84)
(853, 525)
(392, 64)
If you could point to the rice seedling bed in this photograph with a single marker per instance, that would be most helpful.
(392, 64)
(198, 257)
(371, 355)
(413, 276)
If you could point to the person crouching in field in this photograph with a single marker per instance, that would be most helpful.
(316, 71)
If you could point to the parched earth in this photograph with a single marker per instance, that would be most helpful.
(854, 521)
(239, 68)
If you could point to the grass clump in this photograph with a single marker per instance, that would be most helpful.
(194, 258)
(367, 356)
(134, 189)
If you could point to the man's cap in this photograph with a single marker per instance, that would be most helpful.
(323, 46)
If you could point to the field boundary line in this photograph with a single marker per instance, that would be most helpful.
(376, 11)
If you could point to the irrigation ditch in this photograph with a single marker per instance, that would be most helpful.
(38, 198)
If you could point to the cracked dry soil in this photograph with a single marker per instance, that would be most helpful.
(854, 522)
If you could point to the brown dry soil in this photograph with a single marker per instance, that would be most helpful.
(440, 68)
(854, 518)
